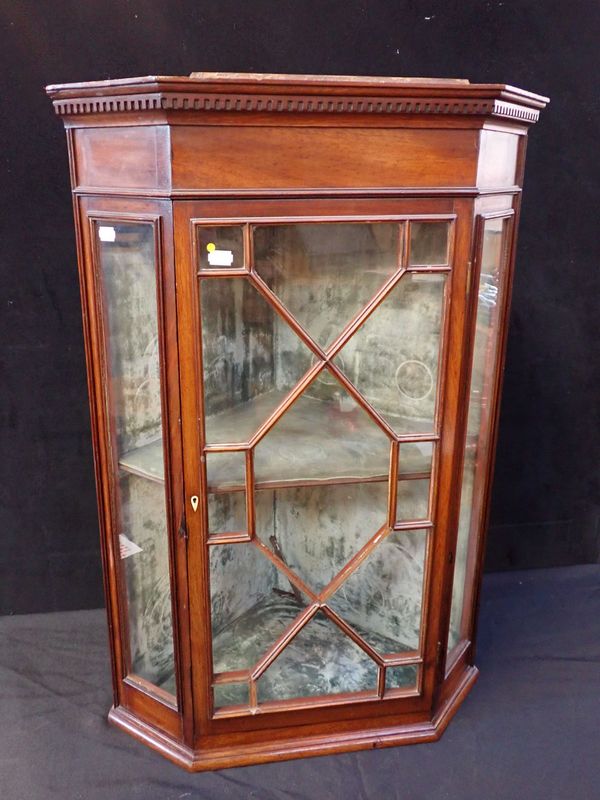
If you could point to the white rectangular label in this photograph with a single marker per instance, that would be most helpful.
(127, 547)
(220, 258)
(107, 233)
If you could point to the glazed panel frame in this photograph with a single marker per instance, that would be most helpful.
(140, 697)
(506, 208)
(188, 213)
(325, 358)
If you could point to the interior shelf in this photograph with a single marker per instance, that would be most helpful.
(146, 461)
(313, 444)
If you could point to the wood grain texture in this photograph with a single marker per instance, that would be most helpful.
(135, 158)
(217, 158)
(234, 92)
(300, 744)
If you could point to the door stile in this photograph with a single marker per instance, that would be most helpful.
(170, 370)
(452, 421)
(194, 477)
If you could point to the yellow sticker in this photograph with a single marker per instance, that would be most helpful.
(211, 246)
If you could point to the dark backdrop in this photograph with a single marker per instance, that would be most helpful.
(545, 494)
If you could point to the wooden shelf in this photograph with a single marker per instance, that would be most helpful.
(146, 462)
(312, 445)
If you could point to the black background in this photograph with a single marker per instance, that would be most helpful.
(545, 500)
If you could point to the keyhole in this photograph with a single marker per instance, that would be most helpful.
(194, 501)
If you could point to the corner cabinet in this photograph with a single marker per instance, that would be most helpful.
(295, 293)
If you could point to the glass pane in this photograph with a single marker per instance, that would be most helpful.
(382, 598)
(401, 677)
(412, 499)
(325, 273)
(230, 694)
(128, 269)
(252, 603)
(393, 358)
(324, 436)
(328, 464)
(485, 354)
(320, 660)
(428, 243)
(226, 475)
(221, 247)
(315, 530)
(251, 359)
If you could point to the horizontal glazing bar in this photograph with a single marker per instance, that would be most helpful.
(234, 676)
(229, 537)
(222, 273)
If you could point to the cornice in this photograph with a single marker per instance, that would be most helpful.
(240, 94)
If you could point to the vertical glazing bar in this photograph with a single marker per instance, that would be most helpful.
(393, 482)
(250, 498)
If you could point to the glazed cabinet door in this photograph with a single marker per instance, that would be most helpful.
(316, 337)
(128, 294)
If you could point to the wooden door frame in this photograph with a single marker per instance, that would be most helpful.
(407, 709)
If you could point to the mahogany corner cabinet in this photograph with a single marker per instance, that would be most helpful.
(295, 295)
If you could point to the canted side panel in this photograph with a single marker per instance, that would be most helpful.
(107, 222)
(122, 158)
(498, 156)
(274, 157)
(493, 241)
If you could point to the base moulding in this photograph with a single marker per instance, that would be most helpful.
(299, 746)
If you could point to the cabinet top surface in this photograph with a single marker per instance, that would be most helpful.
(268, 93)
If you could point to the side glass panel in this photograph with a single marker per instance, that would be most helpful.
(317, 359)
(128, 268)
(485, 355)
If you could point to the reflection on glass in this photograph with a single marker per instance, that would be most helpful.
(251, 359)
(401, 677)
(412, 499)
(226, 474)
(128, 269)
(220, 247)
(382, 598)
(320, 660)
(252, 603)
(394, 356)
(428, 243)
(485, 354)
(325, 273)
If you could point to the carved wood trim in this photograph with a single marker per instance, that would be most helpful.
(293, 104)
